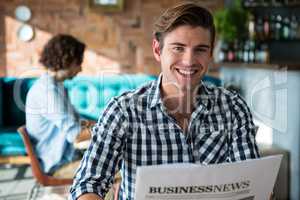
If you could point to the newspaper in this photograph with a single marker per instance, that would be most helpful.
(245, 180)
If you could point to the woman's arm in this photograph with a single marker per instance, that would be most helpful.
(90, 196)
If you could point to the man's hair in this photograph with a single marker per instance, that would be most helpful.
(61, 51)
(188, 13)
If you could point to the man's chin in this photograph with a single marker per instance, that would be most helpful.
(184, 87)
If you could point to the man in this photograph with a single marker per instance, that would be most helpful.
(175, 119)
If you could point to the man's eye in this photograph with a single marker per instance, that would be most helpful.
(201, 50)
(178, 49)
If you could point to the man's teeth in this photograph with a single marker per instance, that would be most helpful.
(187, 72)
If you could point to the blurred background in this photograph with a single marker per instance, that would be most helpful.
(257, 53)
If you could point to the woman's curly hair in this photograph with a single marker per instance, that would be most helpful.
(61, 51)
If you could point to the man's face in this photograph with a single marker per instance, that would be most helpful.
(185, 56)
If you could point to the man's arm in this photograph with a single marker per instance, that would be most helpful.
(242, 137)
(243, 134)
(101, 160)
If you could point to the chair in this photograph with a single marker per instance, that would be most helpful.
(117, 190)
(41, 177)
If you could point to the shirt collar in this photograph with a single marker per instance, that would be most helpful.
(202, 98)
(155, 97)
(204, 95)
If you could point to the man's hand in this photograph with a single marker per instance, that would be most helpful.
(90, 196)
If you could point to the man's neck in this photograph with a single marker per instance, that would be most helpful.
(178, 101)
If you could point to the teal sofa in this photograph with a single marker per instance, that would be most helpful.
(12, 99)
(89, 95)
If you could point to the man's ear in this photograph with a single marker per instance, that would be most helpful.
(156, 49)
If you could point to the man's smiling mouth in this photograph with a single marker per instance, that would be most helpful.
(186, 72)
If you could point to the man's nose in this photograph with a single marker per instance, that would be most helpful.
(188, 58)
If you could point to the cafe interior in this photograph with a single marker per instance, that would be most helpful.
(256, 54)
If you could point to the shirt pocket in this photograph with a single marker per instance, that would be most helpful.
(211, 146)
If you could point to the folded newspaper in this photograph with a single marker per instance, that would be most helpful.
(244, 180)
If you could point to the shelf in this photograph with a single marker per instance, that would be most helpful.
(281, 41)
(275, 10)
(257, 65)
(273, 6)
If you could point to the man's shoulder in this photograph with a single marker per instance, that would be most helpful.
(132, 97)
(224, 96)
(220, 92)
(222, 99)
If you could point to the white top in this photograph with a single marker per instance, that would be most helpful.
(52, 122)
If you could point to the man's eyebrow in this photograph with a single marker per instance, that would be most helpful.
(177, 44)
(203, 46)
(198, 46)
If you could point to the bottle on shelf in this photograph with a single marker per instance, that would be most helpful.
(298, 30)
(266, 27)
(278, 27)
(272, 26)
(251, 27)
(230, 53)
(286, 28)
(294, 27)
(264, 53)
(222, 54)
(259, 28)
(240, 52)
(251, 53)
(236, 50)
(246, 52)
(257, 53)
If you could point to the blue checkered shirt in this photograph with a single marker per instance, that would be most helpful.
(135, 130)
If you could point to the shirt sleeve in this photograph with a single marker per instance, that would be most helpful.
(101, 160)
(242, 138)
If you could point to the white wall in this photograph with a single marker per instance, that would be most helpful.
(274, 99)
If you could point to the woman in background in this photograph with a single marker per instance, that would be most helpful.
(51, 121)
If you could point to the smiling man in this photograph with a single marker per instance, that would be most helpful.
(184, 56)
(176, 119)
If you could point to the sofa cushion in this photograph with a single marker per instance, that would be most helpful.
(210, 80)
(90, 95)
(1, 102)
(10, 142)
(14, 93)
